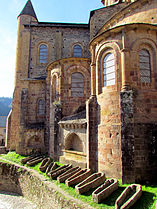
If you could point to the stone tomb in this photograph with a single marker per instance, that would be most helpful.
(105, 190)
(128, 197)
(91, 182)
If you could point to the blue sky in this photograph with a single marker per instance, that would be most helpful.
(46, 11)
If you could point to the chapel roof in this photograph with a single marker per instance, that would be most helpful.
(28, 10)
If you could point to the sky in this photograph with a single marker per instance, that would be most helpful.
(70, 11)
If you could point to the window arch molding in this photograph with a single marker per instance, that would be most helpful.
(79, 69)
(43, 53)
(150, 46)
(104, 49)
(77, 50)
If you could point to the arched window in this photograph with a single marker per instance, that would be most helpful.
(43, 53)
(77, 85)
(145, 66)
(41, 107)
(77, 51)
(109, 70)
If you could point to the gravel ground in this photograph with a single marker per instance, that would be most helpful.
(14, 201)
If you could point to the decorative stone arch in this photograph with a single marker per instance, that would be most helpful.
(151, 47)
(73, 143)
(103, 50)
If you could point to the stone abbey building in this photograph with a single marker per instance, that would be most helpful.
(87, 93)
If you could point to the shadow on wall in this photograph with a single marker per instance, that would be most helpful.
(73, 143)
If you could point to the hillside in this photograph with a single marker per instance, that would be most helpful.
(5, 105)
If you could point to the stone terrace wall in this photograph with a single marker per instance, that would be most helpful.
(21, 180)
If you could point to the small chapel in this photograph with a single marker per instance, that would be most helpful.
(86, 94)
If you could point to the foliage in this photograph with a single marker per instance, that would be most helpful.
(147, 201)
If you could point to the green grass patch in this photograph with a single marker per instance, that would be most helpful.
(147, 201)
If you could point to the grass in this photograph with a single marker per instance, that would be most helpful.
(147, 201)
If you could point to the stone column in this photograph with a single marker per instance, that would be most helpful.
(93, 72)
(124, 63)
(92, 140)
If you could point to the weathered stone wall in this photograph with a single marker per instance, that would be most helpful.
(60, 94)
(36, 92)
(109, 133)
(138, 12)
(99, 17)
(92, 133)
(130, 104)
(127, 136)
(63, 70)
(60, 42)
(31, 185)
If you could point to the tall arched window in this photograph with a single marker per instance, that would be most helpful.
(145, 66)
(77, 51)
(77, 85)
(43, 53)
(41, 107)
(109, 70)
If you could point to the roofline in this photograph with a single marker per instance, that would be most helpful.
(59, 24)
(93, 11)
(122, 27)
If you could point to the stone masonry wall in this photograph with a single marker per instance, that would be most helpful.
(45, 194)
(60, 42)
(109, 133)
(101, 16)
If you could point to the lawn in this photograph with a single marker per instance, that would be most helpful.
(147, 201)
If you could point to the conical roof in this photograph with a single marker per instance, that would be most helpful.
(28, 10)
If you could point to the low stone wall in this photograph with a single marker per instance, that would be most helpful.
(44, 193)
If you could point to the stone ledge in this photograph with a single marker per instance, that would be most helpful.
(34, 187)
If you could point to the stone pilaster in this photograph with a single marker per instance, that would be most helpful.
(92, 140)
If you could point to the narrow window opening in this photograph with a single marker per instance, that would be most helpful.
(41, 107)
(43, 54)
(77, 51)
(77, 85)
(145, 66)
